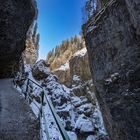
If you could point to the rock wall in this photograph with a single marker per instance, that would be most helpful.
(79, 66)
(31, 53)
(32, 45)
(64, 76)
(77, 71)
(113, 45)
(101, 4)
(16, 17)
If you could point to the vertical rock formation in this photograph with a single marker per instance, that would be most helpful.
(32, 46)
(113, 44)
(79, 66)
(15, 18)
(75, 70)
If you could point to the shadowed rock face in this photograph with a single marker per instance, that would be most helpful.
(79, 65)
(114, 52)
(15, 18)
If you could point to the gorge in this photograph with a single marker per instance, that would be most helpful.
(112, 40)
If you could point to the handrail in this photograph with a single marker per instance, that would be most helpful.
(35, 83)
(41, 113)
(56, 117)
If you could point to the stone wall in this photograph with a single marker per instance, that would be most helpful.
(16, 17)
(113, 45)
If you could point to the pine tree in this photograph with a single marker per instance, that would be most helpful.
(63, 52)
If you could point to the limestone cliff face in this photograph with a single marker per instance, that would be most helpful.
(79, 66)
(31, 52)
(63, 76)
(15, 20)
(77, 69)
(32, 45)
(113, 45)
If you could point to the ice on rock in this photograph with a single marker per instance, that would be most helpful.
(87, 109)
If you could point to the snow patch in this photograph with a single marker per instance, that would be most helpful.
(81, 52)
(76, 78)
(64, 67)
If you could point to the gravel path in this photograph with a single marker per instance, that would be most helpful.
(17, 121)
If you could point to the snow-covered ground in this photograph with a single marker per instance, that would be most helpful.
(48, 123)
(52, 127)
(80, 118)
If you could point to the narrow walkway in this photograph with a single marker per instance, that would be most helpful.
(17, 121)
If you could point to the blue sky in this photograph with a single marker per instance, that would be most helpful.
(57, 21)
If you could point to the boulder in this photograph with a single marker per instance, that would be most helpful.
(40, 70)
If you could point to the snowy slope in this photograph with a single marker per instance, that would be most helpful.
(81, 118)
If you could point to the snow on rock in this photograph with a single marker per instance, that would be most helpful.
(76, 112)
(81, 52)
(78, 101)
(76, 78)
(42, 66)
(63, 67)
(53, 131)
(84, 125)
(34, 91)
(78, 115)
(72, 135)
(98, 120)
(58, 93)
(40, 70)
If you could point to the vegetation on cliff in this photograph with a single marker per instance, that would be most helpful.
(32, 45)
(63, 52)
